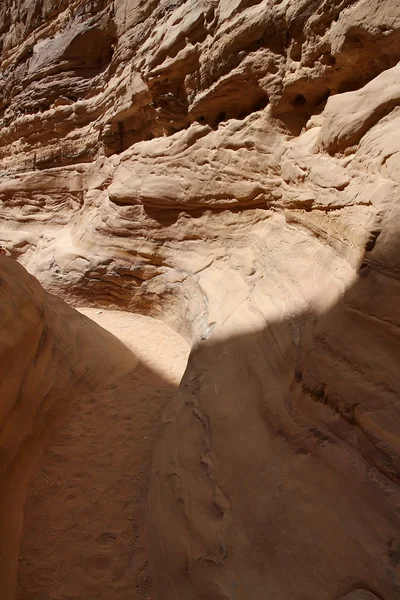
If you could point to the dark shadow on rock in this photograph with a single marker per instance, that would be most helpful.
(277, 472)
(85, 508)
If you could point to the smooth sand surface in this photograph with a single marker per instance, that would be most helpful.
(85, 510)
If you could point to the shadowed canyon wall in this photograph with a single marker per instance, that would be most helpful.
(232, 167)
(52, 359)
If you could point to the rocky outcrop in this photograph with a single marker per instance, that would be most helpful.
(232, 167)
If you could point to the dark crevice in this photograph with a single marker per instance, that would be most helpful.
(370, 245)
(299, 100)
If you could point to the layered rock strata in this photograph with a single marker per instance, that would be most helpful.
(232, 167)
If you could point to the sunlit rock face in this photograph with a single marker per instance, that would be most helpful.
(233, 167)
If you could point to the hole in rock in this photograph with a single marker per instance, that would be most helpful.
(260, 103)
(299, 100)
(210, 15)
(296, 51)
(91, 50)
(328, 59)
(85, 508)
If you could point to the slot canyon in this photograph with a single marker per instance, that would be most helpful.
(200, 300)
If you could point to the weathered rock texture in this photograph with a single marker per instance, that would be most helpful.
(232, 166)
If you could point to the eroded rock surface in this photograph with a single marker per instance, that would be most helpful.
(232, 167)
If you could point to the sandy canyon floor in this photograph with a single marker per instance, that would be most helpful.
(85, 510)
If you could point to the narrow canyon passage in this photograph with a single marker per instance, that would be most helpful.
(85, 509)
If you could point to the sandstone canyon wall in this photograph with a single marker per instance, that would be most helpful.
(231, 166)
(51, 359)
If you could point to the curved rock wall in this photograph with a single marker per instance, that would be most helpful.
(51, 359)
(233, 167)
